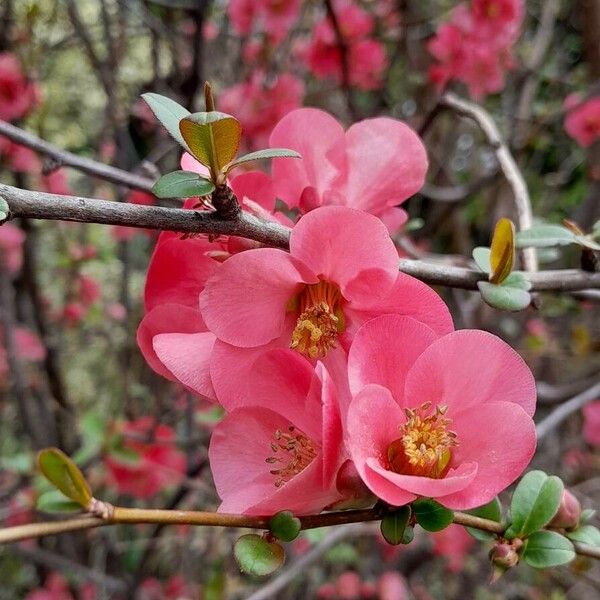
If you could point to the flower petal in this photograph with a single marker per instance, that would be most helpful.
(387, 163)
(384, 350)
(245, 303)
(468, 368)
(332, 433)
(339, 243)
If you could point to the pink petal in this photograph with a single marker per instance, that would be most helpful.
(412, 298)
(339, 244)
(166, 318)
(255, 186)
(383, 351)
(387, 163)
(245, 303)
(178, 272)
(393, 218)
(187, 356)
(500, 437)
(189, 163)
(468, 368)
(332, 434)
(319, 138)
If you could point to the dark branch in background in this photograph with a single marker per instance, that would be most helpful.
(40, 205)
(85, 165)
(345, 59)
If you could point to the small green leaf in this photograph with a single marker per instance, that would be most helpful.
(54, 501)
(4, 210)
(285, 526)
(431, 515)
(212, 137)
(504, 297)
(535, 501)
(261, 155)
(257, 556)
(545, 236)
(596, 230)
(63, 473)
(586, 515)
(586, 242)
(518, 280)
(492, 511)
(169, 113)
(547, 549)
(182, 184)
(481, 256)
(586, 534)
(502, 251)
(393, 525)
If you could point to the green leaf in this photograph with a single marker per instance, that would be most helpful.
(518, 280)
(182, 184)
(535, 501)
(544, 236)
(54, 501)
(285, 526)
(212, 137)
(547, 549)
(584, 240)
(586, 534)
(502, 251)
(257, 556)
(4, 210)
(261, 155)
(431, 515)
(492, 511)
(481, 256)
(586, 515)
(169, 113)
(504, 297)
(63, 473)
(596, 230)
(393, 525)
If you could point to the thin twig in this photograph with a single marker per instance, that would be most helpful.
(506, 161)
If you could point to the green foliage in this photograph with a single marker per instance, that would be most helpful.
(261, 155)
(547, 235)
(63, 473)
(492, 511)
(257, 556)
(182, 184)
(535, 501)
(169, 113)
(586, 534)
(4, 210)
(285, 526)
(54, 501)
(394, 526)
(431, 515)
(547, 549)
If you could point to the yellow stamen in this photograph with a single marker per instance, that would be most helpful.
(320, 319)
(292, 451)
(425, 443)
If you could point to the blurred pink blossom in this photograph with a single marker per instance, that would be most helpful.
(17, 95)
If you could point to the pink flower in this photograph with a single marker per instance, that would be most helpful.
(282, 447)
(123, 233)
(152, 461)
(275, 17)
(442, 417)
(17, 95)
(340, 167)
(582, 122)
(259, 104)
(453, 543)
(28, 345)
(392, 586)
(55, 588)
(591, 423)
(19, 158)
(11, 247)
(342, 269)
(56, 183)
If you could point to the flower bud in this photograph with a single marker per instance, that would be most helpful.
(505, 554)
(569, 512)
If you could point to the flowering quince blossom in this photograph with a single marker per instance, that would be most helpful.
(342, 269)
(375, 165)
(475, 45)
(453, 543)
(259, 105)
(445, 417)
(158, 463)
(17, 95)
(591, 423)
(582, 122)
(11, 247)
(280, 448)
(55, 588)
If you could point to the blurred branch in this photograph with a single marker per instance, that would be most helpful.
(506, 161)
(63, 157)
(40, 205)
(562, 412)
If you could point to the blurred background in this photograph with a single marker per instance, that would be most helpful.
(71, 295)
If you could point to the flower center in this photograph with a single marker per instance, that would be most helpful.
(425, 443)
(293, 451)
(320, 319)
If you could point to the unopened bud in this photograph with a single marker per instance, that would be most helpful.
(569, 512)
(505, 554)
